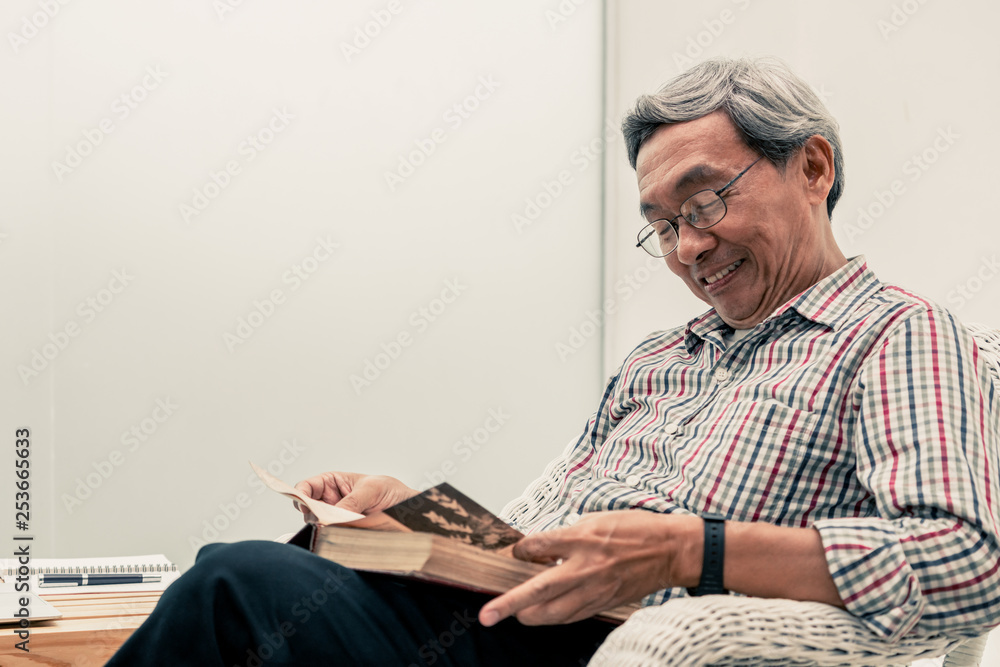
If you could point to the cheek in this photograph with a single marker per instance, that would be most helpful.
(675, 266)
(681, 271)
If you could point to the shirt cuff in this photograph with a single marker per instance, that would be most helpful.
(872, 575)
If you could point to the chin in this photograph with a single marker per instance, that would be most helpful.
(729, 316)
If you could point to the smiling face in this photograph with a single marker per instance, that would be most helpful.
(775, 240)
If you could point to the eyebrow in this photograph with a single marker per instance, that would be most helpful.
(697, 174)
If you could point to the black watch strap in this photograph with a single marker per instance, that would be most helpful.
(711, 564)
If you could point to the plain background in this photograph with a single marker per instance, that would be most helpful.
(488, 288)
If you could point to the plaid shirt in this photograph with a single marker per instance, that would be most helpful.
(856, 408)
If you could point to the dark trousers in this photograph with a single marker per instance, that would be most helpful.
(263, 604)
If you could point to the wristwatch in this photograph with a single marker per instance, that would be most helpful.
(714, 554)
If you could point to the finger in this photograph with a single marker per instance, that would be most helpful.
(307, 514)
(538, 590)
(328, 487)
(305, 489)
(361, 499)
(546, 547)
(312, 487)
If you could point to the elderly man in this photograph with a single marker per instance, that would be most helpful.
(816, 435)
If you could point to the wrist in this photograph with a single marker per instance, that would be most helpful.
(687, 553)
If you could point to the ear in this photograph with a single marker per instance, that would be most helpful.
(818, 169)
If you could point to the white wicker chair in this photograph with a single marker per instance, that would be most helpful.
(733, 630)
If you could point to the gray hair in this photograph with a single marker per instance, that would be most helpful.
(773, 109)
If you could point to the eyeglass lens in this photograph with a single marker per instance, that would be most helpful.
(702, 209)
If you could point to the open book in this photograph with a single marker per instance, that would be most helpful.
(440, 535)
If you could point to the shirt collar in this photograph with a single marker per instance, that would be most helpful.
(828, 302)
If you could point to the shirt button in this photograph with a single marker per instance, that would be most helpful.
(633, 480)
(670, 428)
(571, 519)
(721, 375)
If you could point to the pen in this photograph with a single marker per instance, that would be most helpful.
(54, 580)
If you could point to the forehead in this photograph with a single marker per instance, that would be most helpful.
(676, 159)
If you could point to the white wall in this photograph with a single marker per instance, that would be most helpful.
(897, 74)
(284, 396)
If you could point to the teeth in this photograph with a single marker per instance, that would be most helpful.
(711, 279)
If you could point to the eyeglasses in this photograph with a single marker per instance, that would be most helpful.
(702, 210)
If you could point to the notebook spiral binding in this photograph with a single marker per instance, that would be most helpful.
(96, 569)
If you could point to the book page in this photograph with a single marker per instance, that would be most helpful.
(325, 514)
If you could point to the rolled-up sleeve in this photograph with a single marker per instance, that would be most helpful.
(927, 444)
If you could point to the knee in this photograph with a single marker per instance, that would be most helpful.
(267, 567)
(242, 554)
(239, 564)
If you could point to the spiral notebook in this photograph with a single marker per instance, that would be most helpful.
(152, 564)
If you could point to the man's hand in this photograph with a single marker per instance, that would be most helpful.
(355, 492)
(607, 559)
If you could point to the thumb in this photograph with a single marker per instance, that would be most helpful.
(359, 500)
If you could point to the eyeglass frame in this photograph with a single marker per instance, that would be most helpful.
(673, 221)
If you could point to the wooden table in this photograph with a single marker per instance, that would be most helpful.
(91, 629)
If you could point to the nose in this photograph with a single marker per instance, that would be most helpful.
(693, 243)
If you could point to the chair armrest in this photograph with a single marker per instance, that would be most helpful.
(733, 630)
(541, 496)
